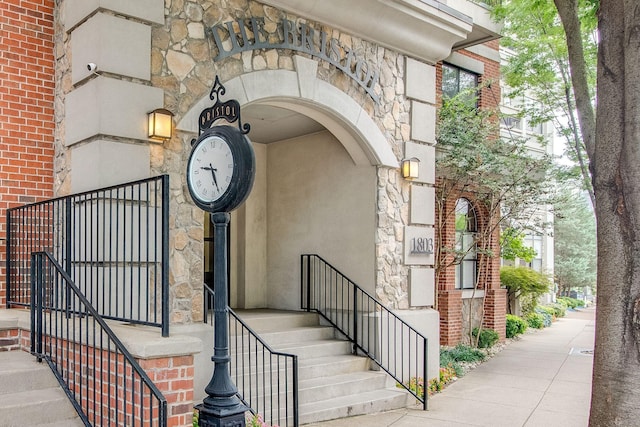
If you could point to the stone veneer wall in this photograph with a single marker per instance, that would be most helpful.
(183, 70)
(183, 66)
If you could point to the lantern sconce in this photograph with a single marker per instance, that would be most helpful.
(411, 168)
(160, 124)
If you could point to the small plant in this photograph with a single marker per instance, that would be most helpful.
(535, 320)
(515, 325)
(256, 421)
(547, 315)
(488, 337)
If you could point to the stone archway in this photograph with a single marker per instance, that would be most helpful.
(303, 92)
(349, 129)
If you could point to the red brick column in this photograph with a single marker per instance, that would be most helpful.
(174, 377)
(450, 309)
(495, 310)
(26, 108)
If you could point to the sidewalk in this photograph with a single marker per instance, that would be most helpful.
(544, 379)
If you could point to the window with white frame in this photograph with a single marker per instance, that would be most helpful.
(466, 231)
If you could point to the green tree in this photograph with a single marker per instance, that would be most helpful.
(611, 143)
(538, 66)
(524, 282)
(505, 179)
(512, 246)
(574, 243)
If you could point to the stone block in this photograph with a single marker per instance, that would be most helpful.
(421, 287)
(114, 44)
(423, 122)
(146, 10)
(112, 107)
(419, 245)
(100, 163)
(422, 205)
(421, 81)
(427, 156)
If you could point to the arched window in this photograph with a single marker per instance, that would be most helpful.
(466, 229)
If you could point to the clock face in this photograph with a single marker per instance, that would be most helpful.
(210, 169)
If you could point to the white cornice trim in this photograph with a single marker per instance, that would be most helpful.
(423, 29)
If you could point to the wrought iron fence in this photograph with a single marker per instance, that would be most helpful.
(104, 382)
(373, 329)
(112, 242)
(267, 380)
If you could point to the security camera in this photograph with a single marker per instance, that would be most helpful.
(92, 67)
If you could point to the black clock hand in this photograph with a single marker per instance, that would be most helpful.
(213, 173)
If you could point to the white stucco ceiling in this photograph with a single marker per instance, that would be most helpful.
(271, 124)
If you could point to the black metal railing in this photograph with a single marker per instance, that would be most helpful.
(267, 380)
(104, 382)
(373, 329)
(112, 242)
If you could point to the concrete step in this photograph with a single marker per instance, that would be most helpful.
(355, 404)
(352, 383)
(35, 407)
(31, 395)
(316, 348)
(19, 371)
(333, 383)
(64, 423)
(263, 321)
(331, 365)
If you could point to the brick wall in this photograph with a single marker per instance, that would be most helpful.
(450, 304)
(26, 108)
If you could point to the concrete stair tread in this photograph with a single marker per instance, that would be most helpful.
(350, 405)
(340, 379)
(42, 395)
(63, 423)
(329, 360)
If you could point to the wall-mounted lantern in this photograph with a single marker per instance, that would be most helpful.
(160, 124)
(411, 168)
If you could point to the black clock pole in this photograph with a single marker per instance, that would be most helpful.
(221, 408)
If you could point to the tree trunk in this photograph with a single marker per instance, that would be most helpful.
(615, 394)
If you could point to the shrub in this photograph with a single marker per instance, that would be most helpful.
(515, 325)
(535, 320)
(452, 356)
(488, 337)
(572, 303)
(559, 309)
(524, 282)
(547, 315)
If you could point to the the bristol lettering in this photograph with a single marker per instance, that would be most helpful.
(250, 34)
(422, 245)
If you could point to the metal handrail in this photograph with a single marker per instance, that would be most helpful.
(267, 380)
(104, 382)
(373, 329)
(113, 242)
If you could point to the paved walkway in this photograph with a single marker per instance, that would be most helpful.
(543, 379)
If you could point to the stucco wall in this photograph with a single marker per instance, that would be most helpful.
(319, 202)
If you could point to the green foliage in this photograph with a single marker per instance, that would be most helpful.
(508, 184)
(547, 315)
(575, 252)
(535, 320)
(538, 67)
(512, 245)
(559, 309)
(460, 353)
(487, 339)
(524, 282)
(572, 303)
(515, 325)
